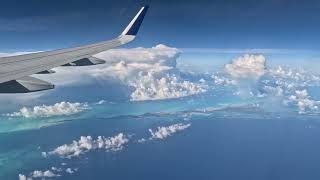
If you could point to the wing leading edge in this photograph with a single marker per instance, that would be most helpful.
(16, 69)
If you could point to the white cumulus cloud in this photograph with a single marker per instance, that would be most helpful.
(303, 101)
(38, 175)
(87, 143)
(160, 54)
(151, 72)
(58, 109)
(291, 85)
(47, 174)
(71, 171)
(43, 174)
(151, 87)
(164, 132)
(222, 80)
(23, 177)
(247, 67)
(276, 85)
(148, 73)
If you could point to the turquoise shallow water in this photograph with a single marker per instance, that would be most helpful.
(216, 99)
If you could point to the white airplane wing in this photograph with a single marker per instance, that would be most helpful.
(15, 71)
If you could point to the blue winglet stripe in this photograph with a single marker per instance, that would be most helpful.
(135, 27)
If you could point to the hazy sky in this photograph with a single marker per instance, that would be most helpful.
(41, 25)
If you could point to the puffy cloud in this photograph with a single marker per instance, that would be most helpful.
(101, 102)
(293, 78)
(280, 85)
(219, 79)
(71, 171)
(38, 174)
(247, 67)
(286, 83)
(56, 169)
(282, 81)
(87, 143)
(24, 177)
(151, 72)
(53, 172)
(58, 109)
(303, 101)
(148, 73)
(160, 54)
(142, 140)
(151, 87)
(43, 174)
(302, 94)
(273, 90)
(164, 132)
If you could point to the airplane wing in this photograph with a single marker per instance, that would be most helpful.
(15, 71)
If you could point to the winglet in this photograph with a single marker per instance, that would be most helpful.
(133, 27)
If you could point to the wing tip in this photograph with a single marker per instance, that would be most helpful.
(134, 26)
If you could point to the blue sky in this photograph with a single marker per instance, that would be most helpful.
(40, 25)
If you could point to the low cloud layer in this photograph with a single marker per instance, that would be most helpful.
(164, 132)
(304, 102)
(47, 174)
(292, 86)
(38, 175)
(288, 86)
(58, 109)
(87, 143)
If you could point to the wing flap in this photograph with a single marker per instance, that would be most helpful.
(25, 85)
(86, 62)
(47, 72)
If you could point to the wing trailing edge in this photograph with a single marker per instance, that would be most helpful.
(25, 85)
(90, 61)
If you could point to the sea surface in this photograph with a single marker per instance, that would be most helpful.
(261, 129)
